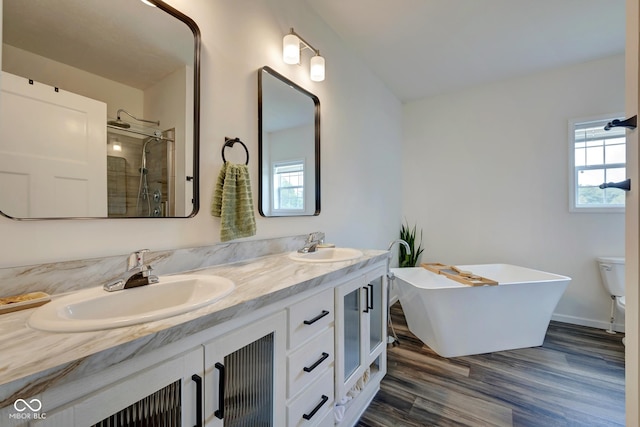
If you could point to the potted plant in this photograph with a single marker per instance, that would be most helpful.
(409, 235)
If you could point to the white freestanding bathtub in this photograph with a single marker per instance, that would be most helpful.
(454, 319)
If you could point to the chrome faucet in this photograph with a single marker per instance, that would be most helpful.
(402, 242)
(137, 274)
(393, 338)
(390, 274)
(313, 240)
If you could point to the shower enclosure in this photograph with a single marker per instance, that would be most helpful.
(140, 171)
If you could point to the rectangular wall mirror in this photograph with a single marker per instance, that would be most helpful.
(99, 110)
(289, 147)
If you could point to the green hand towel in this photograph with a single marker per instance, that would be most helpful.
(233, 202)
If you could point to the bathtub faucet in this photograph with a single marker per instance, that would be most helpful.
(390, 274)
(392, 339)
(402, 242)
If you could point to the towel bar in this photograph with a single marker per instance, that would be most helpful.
(229, 142)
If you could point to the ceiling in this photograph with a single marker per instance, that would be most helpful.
(112, 43)
(418, 48)
(421, 48)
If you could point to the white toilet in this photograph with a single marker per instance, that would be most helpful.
(612, 274)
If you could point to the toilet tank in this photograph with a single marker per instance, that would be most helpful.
(612, 273)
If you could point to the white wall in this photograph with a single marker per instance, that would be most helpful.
(44, 70)
(485, 176)
(361, 142)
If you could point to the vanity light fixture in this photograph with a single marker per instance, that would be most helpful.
(148, 3)
(292, 46)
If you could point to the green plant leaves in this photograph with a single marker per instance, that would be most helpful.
(409, 235)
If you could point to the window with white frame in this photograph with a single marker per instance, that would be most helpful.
(596, 157)
(288, 186)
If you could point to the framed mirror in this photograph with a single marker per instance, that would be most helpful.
(99, 110)
(289, 147)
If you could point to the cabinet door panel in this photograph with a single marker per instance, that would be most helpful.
(352, 332)
(349, 330)
(360, 328)
(229, 390)
(377, 316)
(115, 397)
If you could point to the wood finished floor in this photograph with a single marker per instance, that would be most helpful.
(576, 378)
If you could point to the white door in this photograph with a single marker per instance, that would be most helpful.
(632, 210)
(53, 152)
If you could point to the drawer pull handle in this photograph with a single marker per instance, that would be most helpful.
(315, 319)
(371, 295)
(219, 413)
(316, 409)
(315, 365)
(198, 380)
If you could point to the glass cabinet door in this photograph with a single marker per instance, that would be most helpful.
(376, 313)
(361, 320)
(351, 332)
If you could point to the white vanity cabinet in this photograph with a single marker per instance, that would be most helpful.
(169, 393)
(361, 304)
(237, 378)
(287, 363)
(243, 375)
(310, 359)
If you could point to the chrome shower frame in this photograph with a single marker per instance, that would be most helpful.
(121, 110)
(143, 186)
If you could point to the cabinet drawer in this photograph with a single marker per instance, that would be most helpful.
(309, 317)
(316, 356)
(329, 420)
(313, 403)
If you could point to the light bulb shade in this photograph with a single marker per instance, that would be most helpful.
(291, 49)
(116, 146)
(317, 68)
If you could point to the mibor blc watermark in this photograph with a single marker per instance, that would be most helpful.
(27, 410)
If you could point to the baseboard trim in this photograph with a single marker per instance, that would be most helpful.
(574, 320)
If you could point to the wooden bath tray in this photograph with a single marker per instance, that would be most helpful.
(454, 273)
(22, 302)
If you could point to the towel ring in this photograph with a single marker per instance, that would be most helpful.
(228, 142)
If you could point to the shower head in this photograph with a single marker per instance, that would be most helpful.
(119, 123)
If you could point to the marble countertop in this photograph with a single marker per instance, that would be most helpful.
(32, 361)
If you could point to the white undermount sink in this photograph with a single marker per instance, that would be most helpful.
(96, 309)
(327, 255)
